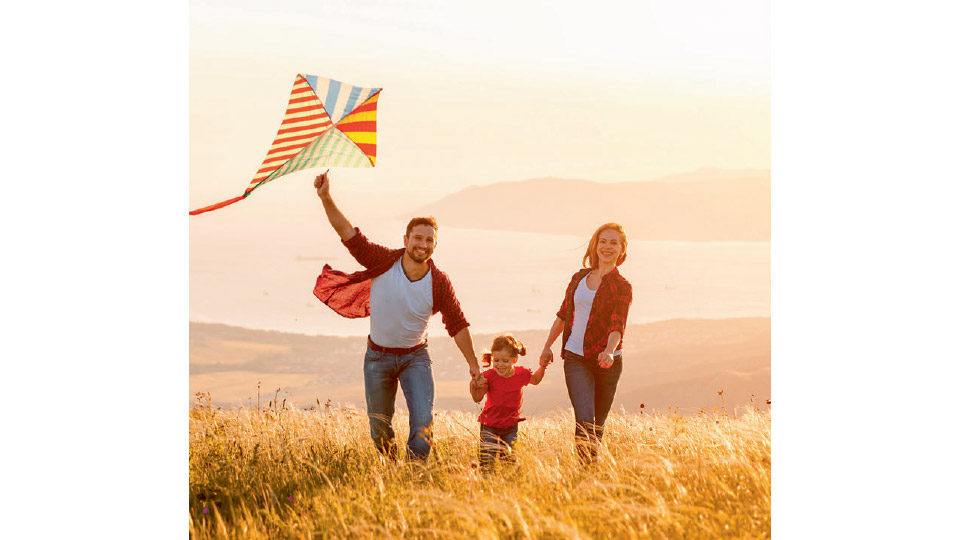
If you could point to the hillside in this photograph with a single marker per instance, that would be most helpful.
(678, 363)
(709, 206)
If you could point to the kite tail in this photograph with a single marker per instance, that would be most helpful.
(218, 205)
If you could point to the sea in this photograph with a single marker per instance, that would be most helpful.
(262, 276)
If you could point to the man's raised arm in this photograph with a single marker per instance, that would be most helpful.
(336, 217)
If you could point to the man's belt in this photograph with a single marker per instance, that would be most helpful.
(394, 350)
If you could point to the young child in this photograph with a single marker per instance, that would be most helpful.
(503, 385)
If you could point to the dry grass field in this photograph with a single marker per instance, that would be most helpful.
(288, 473)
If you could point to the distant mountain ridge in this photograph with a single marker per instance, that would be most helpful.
(706, 205)
(680, 362)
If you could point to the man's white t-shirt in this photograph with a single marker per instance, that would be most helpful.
(399, 308)
(582, 304)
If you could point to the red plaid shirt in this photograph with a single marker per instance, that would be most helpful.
(607, 314)
(349, 294)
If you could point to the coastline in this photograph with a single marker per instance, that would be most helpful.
(671, 363)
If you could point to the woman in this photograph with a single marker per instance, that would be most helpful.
(592, 319)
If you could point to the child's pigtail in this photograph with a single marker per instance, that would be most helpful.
(518, 346)
(487, 359)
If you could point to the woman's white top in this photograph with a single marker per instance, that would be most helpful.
(582, 302)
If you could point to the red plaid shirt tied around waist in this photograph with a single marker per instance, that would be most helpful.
(349, 294)
(607, 314)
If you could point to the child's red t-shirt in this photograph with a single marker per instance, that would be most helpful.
(504, 397)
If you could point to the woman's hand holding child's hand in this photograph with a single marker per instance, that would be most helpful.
(546, 357)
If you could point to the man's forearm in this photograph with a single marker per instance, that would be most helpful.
(337, 219)
(464, 342)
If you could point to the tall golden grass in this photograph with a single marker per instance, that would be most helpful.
(284, 473)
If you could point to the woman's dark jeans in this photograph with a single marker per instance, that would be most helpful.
(591, 390)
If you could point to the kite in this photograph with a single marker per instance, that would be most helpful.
(327, 123)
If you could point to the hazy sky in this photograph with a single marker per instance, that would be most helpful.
(473, 94)
(486, 92)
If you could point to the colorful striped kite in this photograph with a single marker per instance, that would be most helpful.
(327, 123)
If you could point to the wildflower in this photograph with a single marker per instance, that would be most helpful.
(206, 510)
(290, 498)
(642, 405)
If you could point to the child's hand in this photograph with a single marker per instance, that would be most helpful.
(478, 389)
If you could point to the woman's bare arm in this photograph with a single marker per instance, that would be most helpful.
(546, 356)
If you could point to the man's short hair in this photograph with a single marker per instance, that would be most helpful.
(431, 221)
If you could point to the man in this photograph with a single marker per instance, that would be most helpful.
(399, 290)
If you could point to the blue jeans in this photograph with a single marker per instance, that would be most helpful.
(496, 443)
(381, 373)
(591, 390)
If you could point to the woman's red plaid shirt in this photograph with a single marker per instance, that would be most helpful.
(608, 313)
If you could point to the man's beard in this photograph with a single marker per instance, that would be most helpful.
(417, 258)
